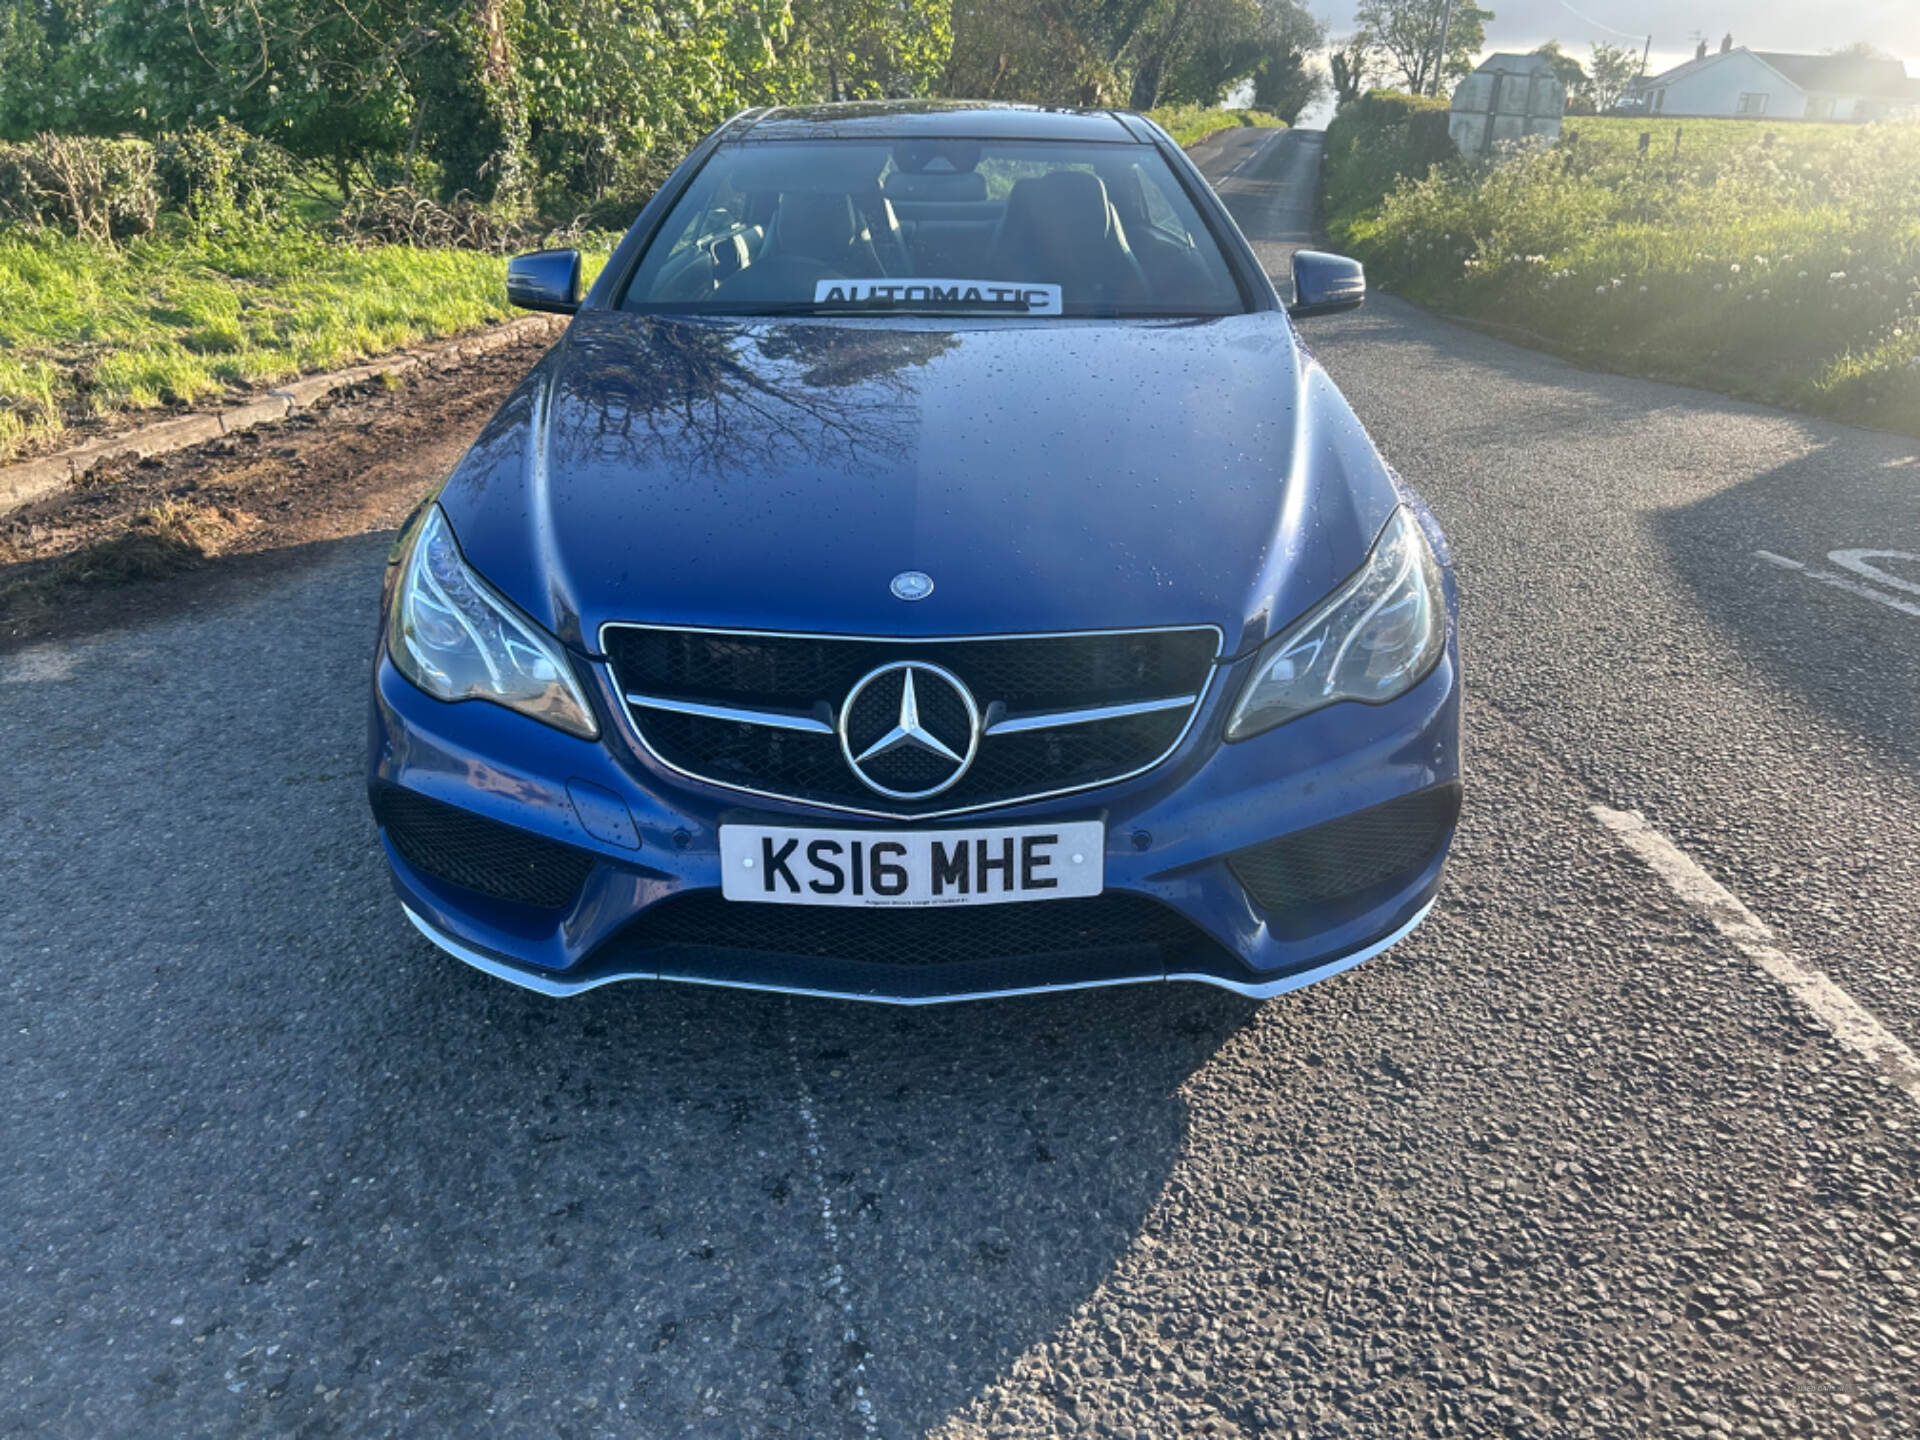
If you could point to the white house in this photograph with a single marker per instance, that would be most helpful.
(1757, 83)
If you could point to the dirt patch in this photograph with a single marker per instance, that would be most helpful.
(141, 538)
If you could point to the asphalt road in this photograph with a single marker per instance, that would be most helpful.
(1566, 1163)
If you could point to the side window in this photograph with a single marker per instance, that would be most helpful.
(725, 209)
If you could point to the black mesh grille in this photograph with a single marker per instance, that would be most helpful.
(469, 850)
(1020, 675)
(793, 672)
(1038, 760)
(1349, 856)
(1022, 930)
(755, 757)
(909, 770)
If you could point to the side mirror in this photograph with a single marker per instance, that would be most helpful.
(545, 280)
(1326, 284)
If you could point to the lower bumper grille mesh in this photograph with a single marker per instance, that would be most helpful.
(919, 938)
(1350, 856)
(476, 853)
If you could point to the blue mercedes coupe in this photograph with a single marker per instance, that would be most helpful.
(929, 567)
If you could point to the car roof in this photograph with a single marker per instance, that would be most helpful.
(971, 119)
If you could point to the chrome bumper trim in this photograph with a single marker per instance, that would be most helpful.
(545, 985)
(1268, 989)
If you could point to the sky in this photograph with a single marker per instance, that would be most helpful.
(1676, 25)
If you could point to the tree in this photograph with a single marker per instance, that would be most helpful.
(1614, 68)
(470, 102)
(1214, 45)
(1351, 63)
(505, 99)
(872, 49)
(1140, 53)
(1159, 52)
(1862, 50)
(1287, 85)
(1407, 33)
(1571, 74)
(1060, 52)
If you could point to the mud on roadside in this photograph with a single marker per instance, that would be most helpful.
(133, 540)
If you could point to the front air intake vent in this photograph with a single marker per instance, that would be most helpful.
(1350, 857)
(476, 853)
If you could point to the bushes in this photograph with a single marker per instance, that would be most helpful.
(1787, 270)
(1190, 124)
(100, 190)
(222, 174)
(1779, 263)
(399, 216)
(1373, 144)
(114, 190)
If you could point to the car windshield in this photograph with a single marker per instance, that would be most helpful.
(934, 226)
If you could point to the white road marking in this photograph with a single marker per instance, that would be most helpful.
(1841, 582)
(837, 1276)
(38, 665)
(1851, 1023)
(1857, 561)
(1254, 154)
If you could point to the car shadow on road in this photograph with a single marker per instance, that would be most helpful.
(1561, 398)
(331, 1180)
(750, 1208)
(1853, 658)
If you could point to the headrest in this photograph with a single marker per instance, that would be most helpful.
(1060, 212)
(819, 226)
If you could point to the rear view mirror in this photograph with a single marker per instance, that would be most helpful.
(545, 280)
(1326, 284)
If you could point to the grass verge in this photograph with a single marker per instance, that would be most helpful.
(1190, 124)
(1782, 265)
(88, 332)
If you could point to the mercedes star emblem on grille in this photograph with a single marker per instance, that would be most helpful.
(909, 730)
(911, 585)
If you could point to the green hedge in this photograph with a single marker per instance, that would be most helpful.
(1786, 268)
(221, 173)
(1373, 144)
(1190, 124)
(115, 190)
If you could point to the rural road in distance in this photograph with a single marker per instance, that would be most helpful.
(1568, 1162)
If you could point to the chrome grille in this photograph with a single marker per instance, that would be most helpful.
(758, 712)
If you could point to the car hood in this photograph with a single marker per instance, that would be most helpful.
(1056, 476)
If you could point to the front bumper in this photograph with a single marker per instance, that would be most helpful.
(645, 837)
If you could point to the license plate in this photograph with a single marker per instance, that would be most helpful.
(788, 865)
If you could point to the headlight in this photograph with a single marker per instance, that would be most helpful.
(455, 637)
(1374, 638)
